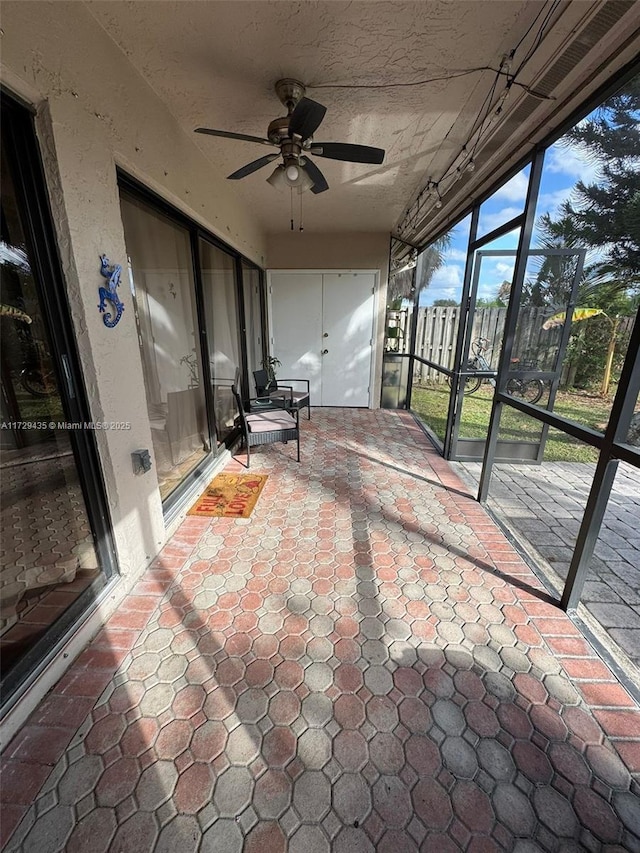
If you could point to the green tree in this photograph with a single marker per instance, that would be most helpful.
(590, 342)
(603, 216)
(606, 214)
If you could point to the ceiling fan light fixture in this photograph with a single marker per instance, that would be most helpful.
(277, 178)
(292, 174)
(281, 180)
(305, 183)
(296, 176)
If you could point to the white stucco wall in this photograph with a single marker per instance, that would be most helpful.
(354, 250)
(94, 112)
(333, 250)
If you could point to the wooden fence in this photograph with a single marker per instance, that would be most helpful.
(438, 328)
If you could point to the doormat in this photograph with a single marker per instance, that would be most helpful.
(230, 496)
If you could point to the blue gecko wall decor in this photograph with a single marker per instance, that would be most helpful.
(110, 294)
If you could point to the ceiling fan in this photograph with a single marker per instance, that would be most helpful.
(293, 135)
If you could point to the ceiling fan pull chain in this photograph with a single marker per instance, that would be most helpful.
(301, 225)
(292, 208)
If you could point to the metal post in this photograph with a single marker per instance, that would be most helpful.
(504, 362)
(391, 241)
(264, 332)
(203, 342)
(460, 385)
(413, 331)
(449, 436)
(589, 530)
(616, 433)
(242, 326)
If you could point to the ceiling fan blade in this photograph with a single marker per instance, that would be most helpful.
(227, 134)
(306, 118)
(348, 152)
(319, 181)
(252, 167)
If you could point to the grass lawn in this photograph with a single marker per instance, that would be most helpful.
(430, 403)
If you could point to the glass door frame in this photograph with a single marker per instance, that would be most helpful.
(246, 379)
(468, 302)
(509, 450)
(25, 161)
(239, 259)
(199, 235)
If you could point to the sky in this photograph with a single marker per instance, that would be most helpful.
(564, 165)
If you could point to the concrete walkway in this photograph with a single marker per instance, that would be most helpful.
(545, 505)
(363, 665)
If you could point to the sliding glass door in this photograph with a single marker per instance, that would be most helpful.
(56, 551)
(162, 283)
(199, 315)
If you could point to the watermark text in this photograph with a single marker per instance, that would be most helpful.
(66, 425)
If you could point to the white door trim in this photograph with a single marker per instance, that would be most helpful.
(375, 331)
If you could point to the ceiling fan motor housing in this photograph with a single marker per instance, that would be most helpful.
(289, 91)
(278, 130)
(291, 151)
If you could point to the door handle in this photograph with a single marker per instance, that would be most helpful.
(325, 351)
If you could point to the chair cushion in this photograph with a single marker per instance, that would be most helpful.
(270, 421)
(288, 395)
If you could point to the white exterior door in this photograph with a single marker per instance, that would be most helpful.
(322, 330)
(347, 300)
(296, 328)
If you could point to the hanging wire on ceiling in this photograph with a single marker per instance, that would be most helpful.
(453, 75)
(490, 110)
(531, 26)
(539, 36)
(433, 191)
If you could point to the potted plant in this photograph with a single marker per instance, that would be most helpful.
(270, 365)
(191, 363)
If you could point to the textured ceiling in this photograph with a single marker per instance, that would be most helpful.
(214, 64)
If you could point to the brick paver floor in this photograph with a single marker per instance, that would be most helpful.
(363, 665)
(545, 504)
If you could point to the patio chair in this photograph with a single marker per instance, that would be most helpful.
(266, 427)
(276, 389)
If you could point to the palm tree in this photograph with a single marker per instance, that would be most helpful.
(401, 285)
